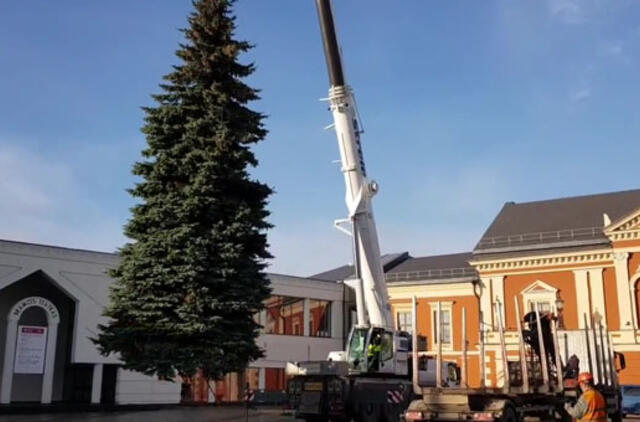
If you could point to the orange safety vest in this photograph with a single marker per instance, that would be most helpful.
(596, 407)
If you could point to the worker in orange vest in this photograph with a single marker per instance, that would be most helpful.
(591, 407)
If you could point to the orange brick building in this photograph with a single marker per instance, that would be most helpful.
(575, 257)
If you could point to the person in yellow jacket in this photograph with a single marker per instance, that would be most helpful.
(591, 406)
(373, 353)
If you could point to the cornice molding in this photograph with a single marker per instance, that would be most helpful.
(617, 236)
(544, 261)
(625, 223)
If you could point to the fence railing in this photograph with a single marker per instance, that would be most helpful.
(538, 237)
(431, 274)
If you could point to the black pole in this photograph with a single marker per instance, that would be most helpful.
(246, 401)
(330, 42)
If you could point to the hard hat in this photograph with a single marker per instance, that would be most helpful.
(585, 377)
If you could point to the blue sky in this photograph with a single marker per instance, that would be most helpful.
(466, 105)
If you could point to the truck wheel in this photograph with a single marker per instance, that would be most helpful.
(565, 417)
(369, 412)
(509, 415)
(392, 412)
(315, 419)
(616, 417)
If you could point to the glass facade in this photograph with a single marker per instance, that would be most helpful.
(275, 379)
(252, 378)
(319, 318)
(285, 315)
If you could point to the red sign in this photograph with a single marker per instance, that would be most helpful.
(32, 330)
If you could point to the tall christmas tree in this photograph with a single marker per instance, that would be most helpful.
(193, 276)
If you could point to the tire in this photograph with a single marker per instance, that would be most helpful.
(392, 412)
(509, 415)
(616, 417)
(315, 419)
(565, 417)
(369, 412)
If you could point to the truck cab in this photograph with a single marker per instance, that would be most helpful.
(378, 350)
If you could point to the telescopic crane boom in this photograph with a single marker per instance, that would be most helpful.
(372, 374)
(374, 345)
(371, 291)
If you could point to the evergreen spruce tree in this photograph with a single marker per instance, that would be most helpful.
(193, 276)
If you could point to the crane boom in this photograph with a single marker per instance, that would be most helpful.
(371, 291)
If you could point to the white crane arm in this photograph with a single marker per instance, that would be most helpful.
(359, 190)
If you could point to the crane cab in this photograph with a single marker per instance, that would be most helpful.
(377, 350)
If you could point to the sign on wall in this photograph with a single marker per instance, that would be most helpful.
(30, 350)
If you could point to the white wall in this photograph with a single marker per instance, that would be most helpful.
(280, 349)
(82, 275)
(287, 285)
(136, 388)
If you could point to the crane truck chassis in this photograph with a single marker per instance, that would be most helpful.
(331, 390)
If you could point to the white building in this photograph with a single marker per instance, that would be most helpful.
(51, 301)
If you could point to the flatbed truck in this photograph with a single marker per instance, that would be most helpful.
(531, 390)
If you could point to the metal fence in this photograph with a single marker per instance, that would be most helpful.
(431, 274)
(540, 237)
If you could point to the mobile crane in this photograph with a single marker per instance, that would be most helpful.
(370, 387)
(371, 377)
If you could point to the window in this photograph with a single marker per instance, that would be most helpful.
(386, 349)
(275, 379)
(543, 306)
(541, 295)
(445, 323)
(252, 378)
(403, 321)
(357, 354)
(319, 318)
(284, 315)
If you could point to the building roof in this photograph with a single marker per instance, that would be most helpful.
(436, 262)
(400, 268)
(335, 274)
(563, 222)
(111, 258)
(58, 252)
(434, 269)
(389, 261)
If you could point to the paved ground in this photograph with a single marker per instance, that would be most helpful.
(183, 414)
